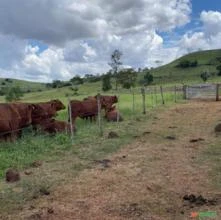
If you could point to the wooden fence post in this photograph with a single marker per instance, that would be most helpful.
(133, 104)
(144, 99)
(175, 94)
(118, 108)
(152, 98)
(161, 91)
(185, 92)
(155, 91)
(71, 122)
(99, 114)
(217, 92)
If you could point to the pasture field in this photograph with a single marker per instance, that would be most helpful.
(158, 159)
(63, 160)
(170, 74)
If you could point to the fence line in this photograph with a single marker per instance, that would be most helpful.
(144, 92)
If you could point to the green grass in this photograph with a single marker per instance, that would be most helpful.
(24, 85)
(34, 147)
(170, 74)
(62, 159)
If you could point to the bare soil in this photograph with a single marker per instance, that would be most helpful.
(157, 177)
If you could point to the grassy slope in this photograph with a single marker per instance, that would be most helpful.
(33, 86)
(170, 73)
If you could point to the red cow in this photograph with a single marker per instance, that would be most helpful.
(14, 117)
(107, 101)
(88, 108)
(113, 115)
(53, 126)
(48, 111)
(83, 109)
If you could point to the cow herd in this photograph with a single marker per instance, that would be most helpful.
(16, 116)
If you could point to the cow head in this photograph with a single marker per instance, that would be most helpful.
(114, 99)
(57, 104)
(38, 114)
(108, 101)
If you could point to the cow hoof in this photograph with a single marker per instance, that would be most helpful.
(12, 176)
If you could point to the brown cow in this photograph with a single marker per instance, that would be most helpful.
(107, 101)
(83, 109)
(14, 117)
(48, 111)
(53, 126)
(106, 104)
(113, 115)
(51, 108)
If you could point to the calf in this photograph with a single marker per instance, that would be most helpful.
(53, 126)
(113, 115)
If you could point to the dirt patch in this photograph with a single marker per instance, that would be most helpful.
(172, 127)
(112, 134)
(150, 183)
(132, 210)
(28, 172)
(170, 137)
(193, 200)
(36, 164)
(12, 176)
(196, 140)
(218, 128)
(146, 132)
(104, 163)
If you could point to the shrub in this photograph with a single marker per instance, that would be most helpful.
(13, 94)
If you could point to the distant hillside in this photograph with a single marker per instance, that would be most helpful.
(24, 85)
(207, 61)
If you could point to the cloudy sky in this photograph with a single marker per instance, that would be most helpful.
(43, 40)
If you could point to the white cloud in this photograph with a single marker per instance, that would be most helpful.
(212, 22)
(209, 37)
(57, 22)
(81, 35)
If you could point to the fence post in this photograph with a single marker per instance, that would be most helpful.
(217, 92)
(99, 114)
(133, 104)
(185, 92)
(175, 94)
(144, 100)
(71, 122)
(155, 91)
(161, 91)
(118, 108)
(152, 97)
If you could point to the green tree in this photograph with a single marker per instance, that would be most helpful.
(74, 89)
(106, 82)
(115, 65)
(204, 76)
(13, 94)
(77, 80)
(147, 79)
(127, 78)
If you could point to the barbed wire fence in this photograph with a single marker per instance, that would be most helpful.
(150, 98)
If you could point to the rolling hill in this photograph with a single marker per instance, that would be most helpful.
(170, 73)
(25, 85)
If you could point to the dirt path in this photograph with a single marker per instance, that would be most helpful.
(148, 178)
